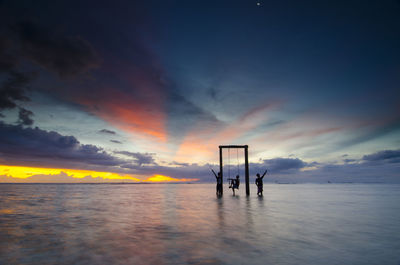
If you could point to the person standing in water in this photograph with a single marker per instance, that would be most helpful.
(259, 183)
(219, 182)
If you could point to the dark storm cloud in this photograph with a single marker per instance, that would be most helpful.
(107, 131)
(24, 116)
(49, 148)
(7, 61)
(23, 42)
(67, 56)
(115, 141)
(278, 165)
(13, 88)
(15, 83)
(140, 158)
(390, 156)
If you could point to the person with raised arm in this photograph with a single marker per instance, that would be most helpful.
(259, 183)
(219, 182)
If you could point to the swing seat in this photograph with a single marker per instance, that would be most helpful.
(231, 185)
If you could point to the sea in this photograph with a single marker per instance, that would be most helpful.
(189, 224)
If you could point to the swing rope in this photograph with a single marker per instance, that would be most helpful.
(229, 163)
(237, 158)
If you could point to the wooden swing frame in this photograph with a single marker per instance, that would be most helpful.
(246, 163)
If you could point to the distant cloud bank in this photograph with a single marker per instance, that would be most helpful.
(25, 146)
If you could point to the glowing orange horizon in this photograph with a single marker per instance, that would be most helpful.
(22, 172)
(161, 178)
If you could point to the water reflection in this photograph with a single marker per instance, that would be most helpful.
(249, 215)
(220, 213)
(188, 224)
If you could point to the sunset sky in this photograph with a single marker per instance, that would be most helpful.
(147, 90)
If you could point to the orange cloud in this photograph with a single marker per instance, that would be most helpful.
(135, 117)
(144, 115)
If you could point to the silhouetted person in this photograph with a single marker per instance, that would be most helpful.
(234, 184)
(259, 183)
(219, 182)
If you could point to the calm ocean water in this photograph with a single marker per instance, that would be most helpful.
(187, 224)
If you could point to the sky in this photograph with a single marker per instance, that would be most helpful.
(146, 91)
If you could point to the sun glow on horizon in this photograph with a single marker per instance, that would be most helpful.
(161, 178)
(21, 173)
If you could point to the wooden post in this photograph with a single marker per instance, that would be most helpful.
(220, 169)
(246, 165)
